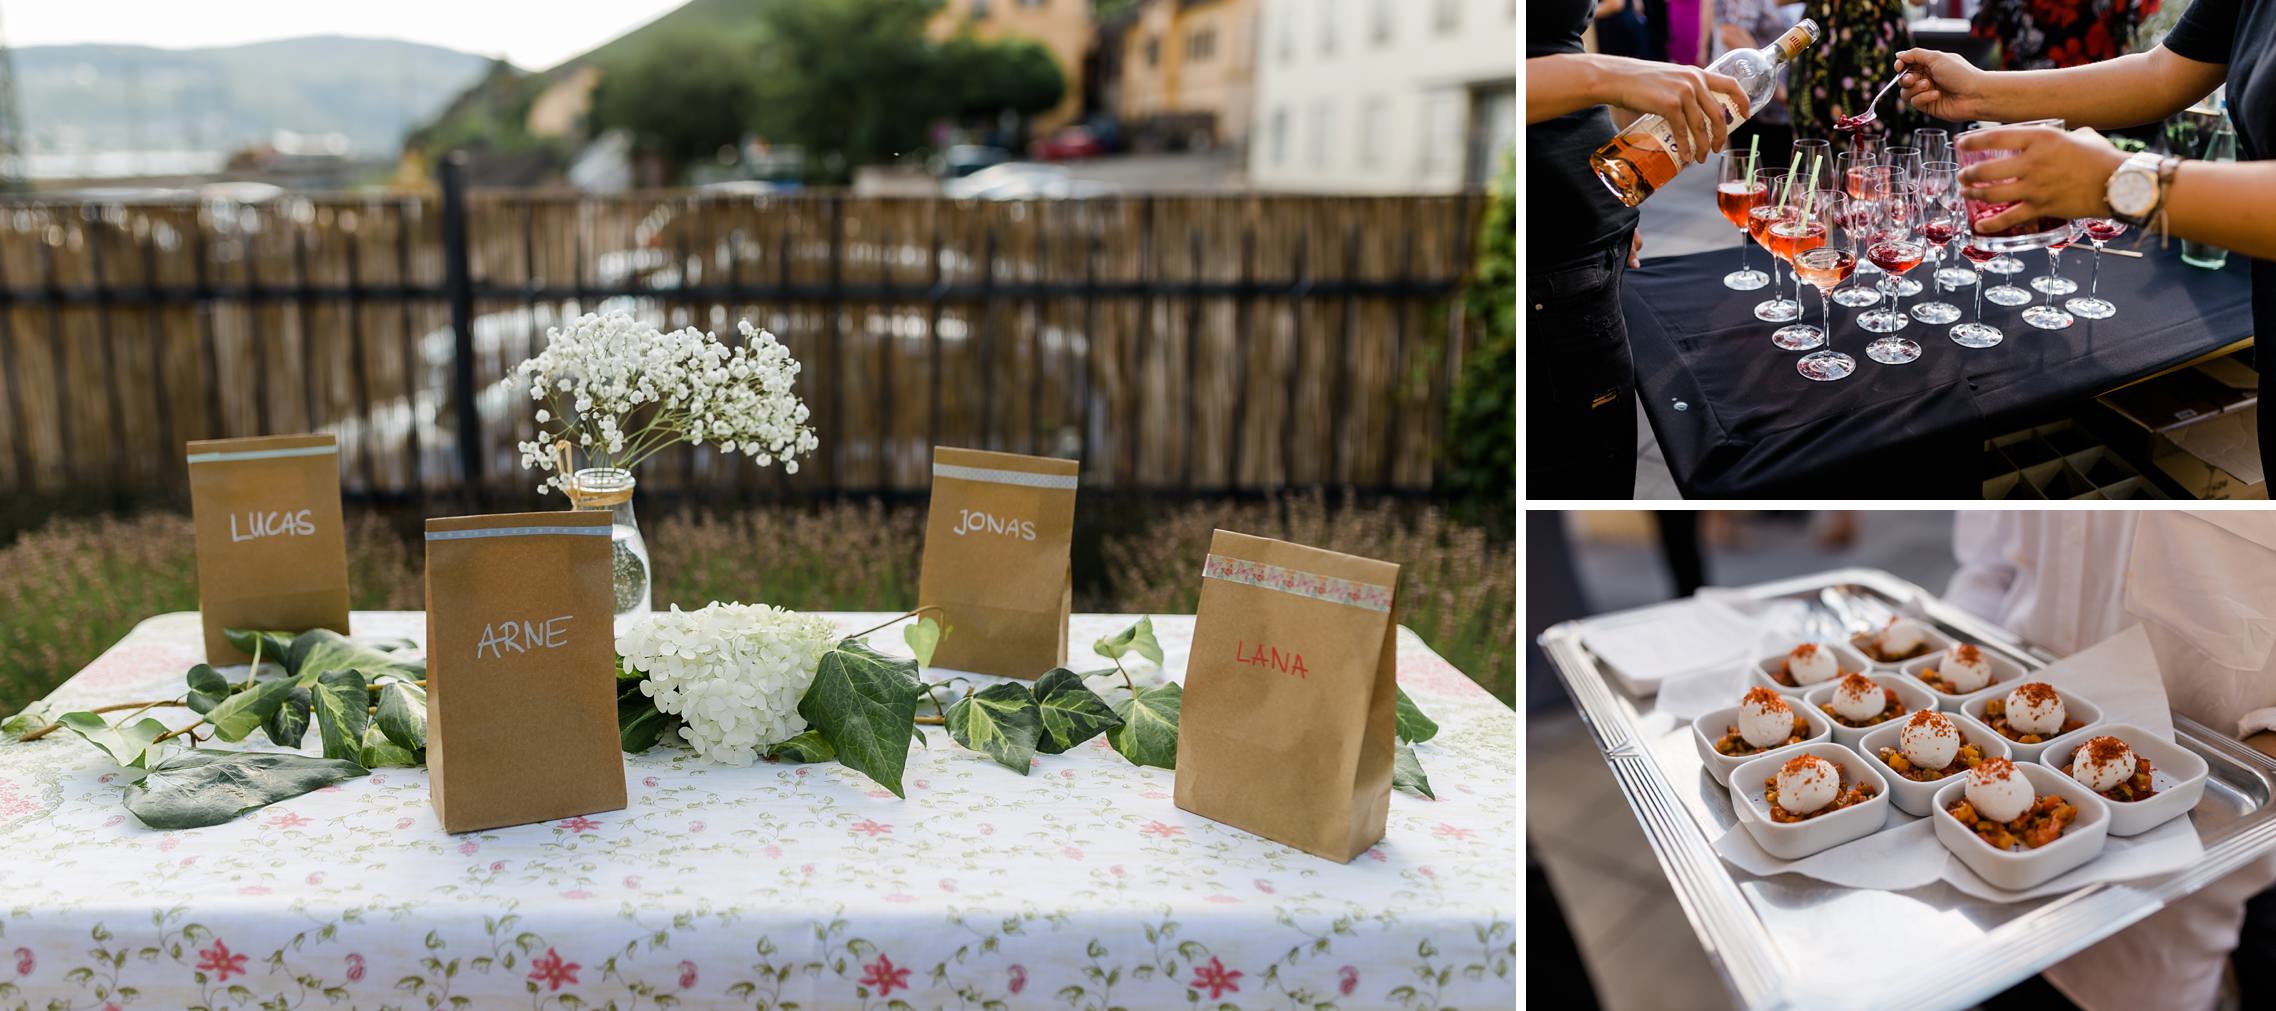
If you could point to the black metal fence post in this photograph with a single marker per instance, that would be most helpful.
(458, 287)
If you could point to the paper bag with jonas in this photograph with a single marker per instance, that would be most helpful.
(271, 554)
(521, 657)
(996, 544)
(1285, 728)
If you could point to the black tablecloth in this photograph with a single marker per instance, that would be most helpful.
(1735, 420)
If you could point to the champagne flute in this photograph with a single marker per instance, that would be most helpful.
(2047, 315)
(1897, 249)
(1941, 219)
(2098, 231)
(1978, 334)
(1777, 308)
(1735, 195)
(1826, 267)
(1800, 229)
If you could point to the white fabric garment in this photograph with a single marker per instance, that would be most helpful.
(2204, 585)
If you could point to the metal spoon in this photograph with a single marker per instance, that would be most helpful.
(1861, 119)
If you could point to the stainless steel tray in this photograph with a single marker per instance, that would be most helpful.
(1791, 941)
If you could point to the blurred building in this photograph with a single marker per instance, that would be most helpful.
(1061, 26)
(1188, 73)
(1404, 96)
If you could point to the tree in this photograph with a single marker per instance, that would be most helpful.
(1482, 429)
(983, 79)
(854, 82)
(682, 98)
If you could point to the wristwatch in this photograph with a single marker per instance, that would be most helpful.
(2135, 190)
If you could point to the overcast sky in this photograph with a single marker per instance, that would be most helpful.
(533, 35)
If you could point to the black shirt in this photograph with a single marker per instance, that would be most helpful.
(1571, 216)
(2242, 34)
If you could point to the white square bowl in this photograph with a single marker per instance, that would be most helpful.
(1913, 694)
(1937, 642)
(2073, 707)
(1826, 831)
(2082, 842)
(1849, 660)
(1920, 798)
(1710, 726)
(2006, 673)
(2177, 773)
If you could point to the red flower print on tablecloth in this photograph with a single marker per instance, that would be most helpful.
(576, 893)
(286, 819)
(1019, 978)
(254, 890)
(884, 976)
(1215, 978)
(355, 968)
(316, 877)
(220, 961)
(1158, 829)
(167, 844)
(25, 963)
(13, 801)
(1264, 886)
(579, 825)
(772, 851)
(469, 848)
(1446, 831)
(1347, 980)
(648, 781)
(632, 881)
(1073, 852)
(872, 828)
(687, 975)
(404, 823)
(947, 885)
(552, 971)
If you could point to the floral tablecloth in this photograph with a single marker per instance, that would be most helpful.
(1079, 886)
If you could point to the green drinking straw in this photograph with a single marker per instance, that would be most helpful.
(1754, 144)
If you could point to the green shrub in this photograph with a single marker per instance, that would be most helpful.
(1482, 426)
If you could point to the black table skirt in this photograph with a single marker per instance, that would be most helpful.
(1735, 420)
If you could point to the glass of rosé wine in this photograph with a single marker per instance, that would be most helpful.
(1803, 227)
(1978, 334)
(1896, 247)
(1736, 194)
(1941, 220)
(1826, 266)
(2047, 315)
(2097, 231)
(1777, 308)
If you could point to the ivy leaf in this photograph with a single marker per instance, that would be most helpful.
(861, 702)
(1000, 721)
(402, 714)
(127, 744)
(923, 638)
(1407, 773)
(1138, 638)
(320, 651)
(343, 711)
(806, 747)
(378, 751)
(1149, 731)
(27, 719)
(276, 644)
(244, 712)
(205, 786)
(1072, 712)
(207, 688)
(1414, 727)
(289, 723)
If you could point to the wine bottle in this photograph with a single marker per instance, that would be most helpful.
(1642, 158)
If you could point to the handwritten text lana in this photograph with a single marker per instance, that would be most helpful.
(1261, 655)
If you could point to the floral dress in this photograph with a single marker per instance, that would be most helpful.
(1856, 55)
(2038, 34)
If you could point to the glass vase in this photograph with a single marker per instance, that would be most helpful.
(610, 489)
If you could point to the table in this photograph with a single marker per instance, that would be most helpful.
(1081, 885)
(1735, 420)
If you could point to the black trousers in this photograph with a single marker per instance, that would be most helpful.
(1580, 385)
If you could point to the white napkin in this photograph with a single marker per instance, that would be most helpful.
(1672, 641)
(2121, 675)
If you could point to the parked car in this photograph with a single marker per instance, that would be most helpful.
(961, 160)
(1024, 181)
(1069, 143)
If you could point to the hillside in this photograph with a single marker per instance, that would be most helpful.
(111, 96)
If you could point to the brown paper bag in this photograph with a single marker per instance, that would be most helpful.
(996, 565)
(271, 552)
(521, 654)
(1286, 723)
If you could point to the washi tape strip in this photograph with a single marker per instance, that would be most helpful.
(233, 455)
(1367, 596)
(994, 476)
(462, 535)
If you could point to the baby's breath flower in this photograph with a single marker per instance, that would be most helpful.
(733, 673)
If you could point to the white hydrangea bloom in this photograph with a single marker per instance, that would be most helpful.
(732, 672)
(687, 386)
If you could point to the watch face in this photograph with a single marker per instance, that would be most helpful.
(2133, 192)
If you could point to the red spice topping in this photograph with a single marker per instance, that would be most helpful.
(1804, 651)
(2037, 693)
(1967, 652)
(1856, 684)
(1800, 764)
(1933, 720)
(1995, 769)
(1764, 699)
(2105, 750)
